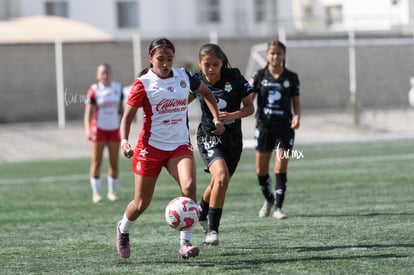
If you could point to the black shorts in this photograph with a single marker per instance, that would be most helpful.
(274, 139)
(220, 147)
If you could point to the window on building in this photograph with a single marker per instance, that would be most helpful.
(57, 8)
(308, 11)
(334, 15)
(127, 13)
(209, 11)
(259, 11)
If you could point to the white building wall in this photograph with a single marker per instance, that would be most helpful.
(180, 18)
(374, 14)
(9, 8)
(361, 15)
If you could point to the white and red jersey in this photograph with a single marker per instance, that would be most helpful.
(165, 105)
(107, 101)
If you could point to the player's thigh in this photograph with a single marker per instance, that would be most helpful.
(281, 161)
(219, 170)
(181, 164)
(285, 142)
(113, 149)
(181, 168)
(144, 190)
(97, 151)
(262, 163)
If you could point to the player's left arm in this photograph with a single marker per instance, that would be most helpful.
(191, 97)
(210, 100)
(297, 112)
(246, 110)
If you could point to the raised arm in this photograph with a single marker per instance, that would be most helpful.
(210, 100)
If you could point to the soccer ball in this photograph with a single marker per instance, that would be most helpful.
(182, 213)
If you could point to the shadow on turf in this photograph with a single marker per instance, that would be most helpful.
(362, 246)
(252, 264)
(353, 215)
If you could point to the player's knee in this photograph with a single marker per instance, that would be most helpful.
(221, 179)
(95, 165)
(188, 189)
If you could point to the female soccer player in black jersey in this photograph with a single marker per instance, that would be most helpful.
(277, 89)
(221, 154)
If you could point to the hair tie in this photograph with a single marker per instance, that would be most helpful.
(159, 46)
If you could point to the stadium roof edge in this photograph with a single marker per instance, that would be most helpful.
(48, 29)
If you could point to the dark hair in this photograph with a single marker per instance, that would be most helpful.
(217, 51)
(158, 43)
(279, 44)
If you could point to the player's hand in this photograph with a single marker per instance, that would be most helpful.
(295, 122)
(128, 152)
(219, 128)
(224, 116)
(88, 134)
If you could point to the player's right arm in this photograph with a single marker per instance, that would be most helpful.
(135, 99)
(87, 120)
(125, 127)
(87, 116)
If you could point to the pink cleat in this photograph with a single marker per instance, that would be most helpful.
(187, 251)
(122, 242)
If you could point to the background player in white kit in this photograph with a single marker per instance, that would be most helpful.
(103, 109)
(162, 91)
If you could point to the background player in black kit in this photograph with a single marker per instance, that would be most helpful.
(221, 154)
(277, 90)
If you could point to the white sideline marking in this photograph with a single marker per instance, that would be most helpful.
(307, 162)
(346, 160)
(49, 179)
(304, 162)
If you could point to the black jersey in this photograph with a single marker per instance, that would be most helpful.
(274, 97)
(229, 92)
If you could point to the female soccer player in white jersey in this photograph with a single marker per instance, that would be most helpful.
(103, 110)
(162, 91)
(277, 90)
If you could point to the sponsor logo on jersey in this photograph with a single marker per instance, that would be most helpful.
(228, 87)
(273, 96)
(221, 104)
(171, 121)
(171, 106)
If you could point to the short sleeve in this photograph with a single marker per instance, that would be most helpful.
(295, 85)
(195, 82)
(90, 96)
(253, 81)
(136, 94)
(246, 87)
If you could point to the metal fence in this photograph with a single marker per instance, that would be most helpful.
(383, 68)
(348, 74)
